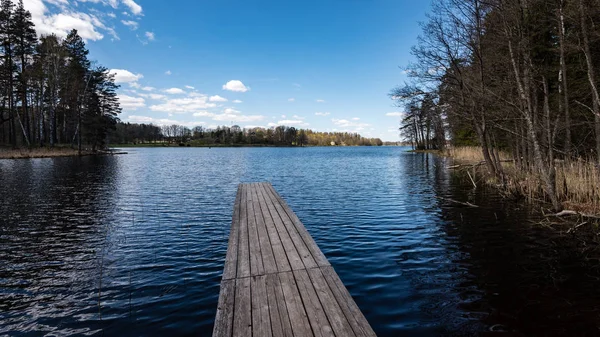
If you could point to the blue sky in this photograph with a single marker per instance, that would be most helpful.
(323, 65)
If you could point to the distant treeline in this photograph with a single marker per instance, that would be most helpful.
(50, 92)
(127, 133)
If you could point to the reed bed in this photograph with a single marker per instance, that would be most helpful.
(40, 152)
(577, 180)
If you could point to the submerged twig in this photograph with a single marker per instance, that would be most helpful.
(458, 202)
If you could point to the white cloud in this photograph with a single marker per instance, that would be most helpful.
(125, 76)
(322, 113)
(131, 103)
(64, 17)
(394, 114)
(161, 121)
(184, 105)
(148, 88)
(133, 7)
(291, 99)
(168, 72)
(174, 91)
(190, 87)
(320, 101)
(112, 15)
(154, 96)
(131, 24)
(237, 101)
(235, 85)
(203, 114)
(347, 125)
(297, 117)
(231, 111)
(217, 98)
(150, 36)
(238, 118)
(355, 119)
(289, 122)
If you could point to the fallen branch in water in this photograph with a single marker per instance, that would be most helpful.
(458, 202)
(575, 228)
(474, 185)
(571, 213)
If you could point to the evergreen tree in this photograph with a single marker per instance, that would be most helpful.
(25, 43)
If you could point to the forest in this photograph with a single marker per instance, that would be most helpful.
(126, 133)
(51, 92)
(518, 79)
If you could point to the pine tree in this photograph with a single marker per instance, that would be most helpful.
(7, 71)
(78, 78)
(25, 43)
(102, 107)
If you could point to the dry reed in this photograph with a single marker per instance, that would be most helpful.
(577, 181)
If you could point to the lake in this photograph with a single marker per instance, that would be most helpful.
(135, 244)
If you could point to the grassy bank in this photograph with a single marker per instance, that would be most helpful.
(577, 181)
(46, 152)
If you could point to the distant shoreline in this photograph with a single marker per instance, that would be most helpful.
(160, 145)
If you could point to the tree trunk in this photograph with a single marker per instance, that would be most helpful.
(591, 76)
(563, 102)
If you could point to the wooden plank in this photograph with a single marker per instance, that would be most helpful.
(242, 323)
(261, 321)
(311, 245)
(243, 267)
(290, 250)
(298, 317)
(266, 249)
(305, 254)
(269, 286)
(280, 320)
(256, 262)
(224, 319)
(230, 269)
(353, 314)
(335, 315)
(279, 253)
(316, 313)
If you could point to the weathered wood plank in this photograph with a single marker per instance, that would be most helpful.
(305, 254)
(261, 320)
(243, 267)
(266, 249)
(280, 319)
(316, 315)
(224, 319)
(242, 323)
(316, 252)
(271, 283)
(295, 308)
(281, 259)
(353, 314)
(288, 245)
(230, 269)
(256, 262)
(335, 315)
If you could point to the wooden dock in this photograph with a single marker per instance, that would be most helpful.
(276, 281)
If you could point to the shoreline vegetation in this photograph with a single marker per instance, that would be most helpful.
(577, 181)
(55, 152)
(514, 86)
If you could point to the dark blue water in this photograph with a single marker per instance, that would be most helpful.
(134, 244)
